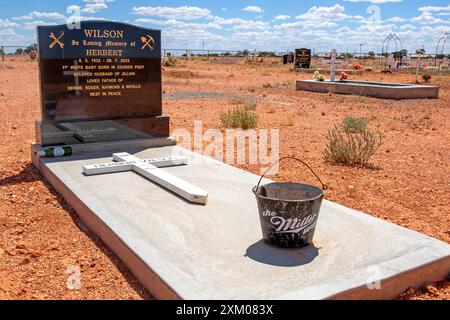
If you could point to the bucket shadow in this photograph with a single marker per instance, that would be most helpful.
(267, 254)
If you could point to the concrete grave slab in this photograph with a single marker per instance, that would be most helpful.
(183, 251)
(379, 90)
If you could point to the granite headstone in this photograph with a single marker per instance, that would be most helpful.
(100, 83)
(303, 58)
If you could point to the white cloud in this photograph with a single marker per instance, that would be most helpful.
(304, 25)
(241, 24)
(434, 9)
(33, 24)
(7, 32)
(87, 18)
(322, 14)
(176, 24)
(252, 26)
(41, 15)
(407, 27)
(427, 18)
(7, 24)
(282, 17)
(396, 19)
(184, 13)
(94, 6)
(253, 9)
(344, 30)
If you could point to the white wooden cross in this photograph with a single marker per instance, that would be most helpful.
(149, 168)
(333, 64)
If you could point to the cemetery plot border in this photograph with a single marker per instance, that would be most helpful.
(380, 90)
(181, 251)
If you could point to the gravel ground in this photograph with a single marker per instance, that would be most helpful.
(42, 242)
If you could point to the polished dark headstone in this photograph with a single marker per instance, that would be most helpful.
(100, 82)
(303, 58)
(288, 58)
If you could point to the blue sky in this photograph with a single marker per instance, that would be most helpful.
(275, 25)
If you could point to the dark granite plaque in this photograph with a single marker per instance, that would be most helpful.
(101, 82)
(303, 58)
(288, 58)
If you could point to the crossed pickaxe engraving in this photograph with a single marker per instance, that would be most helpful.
(56, 40)
(146, 41)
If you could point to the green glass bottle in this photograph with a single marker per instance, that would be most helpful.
(56, 152)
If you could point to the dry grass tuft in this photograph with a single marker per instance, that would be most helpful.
(351, 143)
(238, 118)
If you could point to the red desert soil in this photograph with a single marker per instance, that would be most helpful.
(40, 235)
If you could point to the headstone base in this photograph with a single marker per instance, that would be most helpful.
(82, 132)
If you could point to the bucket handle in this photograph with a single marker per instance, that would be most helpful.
(324, 186)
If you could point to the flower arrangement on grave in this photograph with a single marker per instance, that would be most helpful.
(318, 76)
(426, 76)
(356, 66)
(169, 62)
(343, 77)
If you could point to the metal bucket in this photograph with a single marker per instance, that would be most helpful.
(289, 211)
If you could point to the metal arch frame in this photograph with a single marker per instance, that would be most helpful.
(385, 49)
(387, 41)
(442, 42)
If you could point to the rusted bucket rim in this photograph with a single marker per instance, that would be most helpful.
(324, 186)
(322, 192)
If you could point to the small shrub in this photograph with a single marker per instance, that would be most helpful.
(354, 125)
(250, 106)
(352, 147)
(238, 118)
(231, 75)
(267, 86)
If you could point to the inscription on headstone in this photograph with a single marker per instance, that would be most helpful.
(101, 82)
(303, 58)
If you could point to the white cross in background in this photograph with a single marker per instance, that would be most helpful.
(149, 168)
(333, 63)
